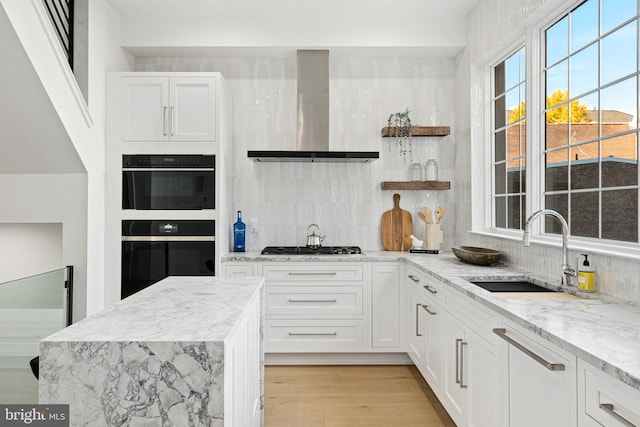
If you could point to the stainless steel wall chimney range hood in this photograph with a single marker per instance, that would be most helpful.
(312, 143)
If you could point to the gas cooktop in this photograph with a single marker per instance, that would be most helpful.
(305, 250)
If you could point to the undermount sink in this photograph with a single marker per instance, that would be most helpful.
(521, 289)
(509, 286)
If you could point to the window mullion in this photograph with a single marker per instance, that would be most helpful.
(535, 131)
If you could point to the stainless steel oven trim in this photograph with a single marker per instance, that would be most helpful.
(168, 238)
(125, 169)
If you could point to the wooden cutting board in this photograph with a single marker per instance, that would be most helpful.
(397, 227)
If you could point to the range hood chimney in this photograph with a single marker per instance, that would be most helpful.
(312, 136)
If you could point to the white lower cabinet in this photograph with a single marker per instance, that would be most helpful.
(329, 307)
(314, 307)
(604, 400)
(538, 380)
(238, 269)
(416, 343)
(470, 390)
(243, 371)
(386, 297)
(316, 336)
(424, 327)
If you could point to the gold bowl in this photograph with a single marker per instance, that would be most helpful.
(477, 256)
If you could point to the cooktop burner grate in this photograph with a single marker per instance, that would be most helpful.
(305, 250)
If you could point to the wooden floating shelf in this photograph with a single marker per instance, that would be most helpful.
(420, 131)
(416, 185)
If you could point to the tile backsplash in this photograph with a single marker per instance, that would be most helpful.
(344, 199)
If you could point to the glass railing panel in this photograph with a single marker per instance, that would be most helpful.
(30, 309)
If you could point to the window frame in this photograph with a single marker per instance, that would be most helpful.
(492, 128)
(533, 39)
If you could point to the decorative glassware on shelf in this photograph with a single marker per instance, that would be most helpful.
(415, 172)
(431, 170)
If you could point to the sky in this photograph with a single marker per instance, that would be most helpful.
(574, 66)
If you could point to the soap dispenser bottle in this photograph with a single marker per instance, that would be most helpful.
(239, 229)
(586, 276)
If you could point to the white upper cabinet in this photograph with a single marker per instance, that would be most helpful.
(159, 108)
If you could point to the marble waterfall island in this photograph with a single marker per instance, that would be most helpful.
(186, 351)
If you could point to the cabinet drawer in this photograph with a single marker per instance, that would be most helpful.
(417, 279)
(472, 314)
(312, 273)
(608, 401)
(313, 300)
(238, 270)
(313, 335)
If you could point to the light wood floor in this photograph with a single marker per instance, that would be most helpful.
(340, 396)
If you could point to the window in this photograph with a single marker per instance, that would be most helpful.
(509, 142)
(591, 120)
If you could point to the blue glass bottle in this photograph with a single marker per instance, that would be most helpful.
(238, 234)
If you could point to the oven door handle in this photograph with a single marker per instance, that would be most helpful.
(168, 238)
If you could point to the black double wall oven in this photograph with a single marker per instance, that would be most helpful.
(154, 249)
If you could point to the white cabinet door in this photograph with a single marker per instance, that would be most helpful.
(192, 113)
(415, 327)
(471, 388)
(455, 379)
(480, 372)
(540, 379)
(604, 400)
(432, 331)
(169, 108)
(243, 371)
(145, 110)
(386, 322)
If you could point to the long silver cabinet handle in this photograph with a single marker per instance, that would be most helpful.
(502, 333)
(418, 334)
(462, 384)
(312, 273)
(414, 278)
(313, 333)
(312, 300)
(172, 120)
(164, 120)
(609, 409)
(458, 341)
(426, 308)
(431, 289)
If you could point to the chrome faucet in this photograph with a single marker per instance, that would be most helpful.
(567, 271)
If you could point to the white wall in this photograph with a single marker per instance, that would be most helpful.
(28, 249)
(105, 54)
(493, 26)
(345, 200)
(48, 198)
(84, 127)
(330, 23)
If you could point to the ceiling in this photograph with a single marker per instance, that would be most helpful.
(279, 27)
(361, 8)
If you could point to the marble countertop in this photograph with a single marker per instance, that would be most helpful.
(600, 329)
(177, 309)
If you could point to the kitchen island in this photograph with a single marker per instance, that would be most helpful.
(184, 351)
